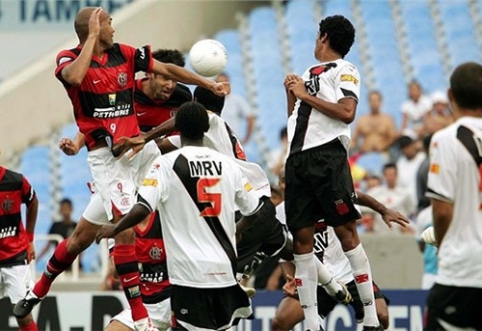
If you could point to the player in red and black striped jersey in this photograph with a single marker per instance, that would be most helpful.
(99, 77)
(16, 240)
(155, 286)
(156, 97)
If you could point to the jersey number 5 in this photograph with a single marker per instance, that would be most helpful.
(207, 197)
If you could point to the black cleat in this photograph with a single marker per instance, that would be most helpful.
(373, 328)
(343, 296)
(24, 307)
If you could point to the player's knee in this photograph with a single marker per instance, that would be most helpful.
(79, 242)
(278, 325)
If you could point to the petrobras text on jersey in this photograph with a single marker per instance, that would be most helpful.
(54, 312)
(48, 14)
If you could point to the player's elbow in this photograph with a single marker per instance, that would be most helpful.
(348, 117)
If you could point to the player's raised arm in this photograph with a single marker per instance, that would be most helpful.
(87, 26)
(188, 77)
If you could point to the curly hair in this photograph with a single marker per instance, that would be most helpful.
(169, 56)
(192, 120)
(340, 31)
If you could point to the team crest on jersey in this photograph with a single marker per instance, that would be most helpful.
(7, 205)
(122, 79)
(155, 253)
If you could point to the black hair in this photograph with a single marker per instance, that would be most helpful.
(426, 142)
(389, 165)
(283, 133)
(415, 82)
(169, 56)
(340, 31)
(66, 201)
(192, 120)
(466, 85)
(208, 99)
(377, 92)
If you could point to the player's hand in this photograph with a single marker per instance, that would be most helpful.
(67, 146)
(289, 79)
(297, 87)
(392, 216)
(94, 22)
(134, 145)
(289, 288)
(428, 236)
(221, 89)
(31, 252)
(106, 231)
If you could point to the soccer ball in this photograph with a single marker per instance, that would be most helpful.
(208, 57)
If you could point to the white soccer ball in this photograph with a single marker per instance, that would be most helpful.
(208, 57)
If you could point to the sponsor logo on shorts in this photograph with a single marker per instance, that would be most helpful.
(341, 207)
(125, 201)
(184, 311)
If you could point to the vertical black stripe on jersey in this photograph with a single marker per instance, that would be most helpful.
(181, 168)
(467, 138)
(233, 140)
(304, 112)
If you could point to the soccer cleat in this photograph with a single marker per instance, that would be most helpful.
(373, 328)
(343, 296)
(25, 306)
(250, 291)
(144, 324)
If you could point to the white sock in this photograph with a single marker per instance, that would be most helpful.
(306, 281)
(326, 279)
(364, 283)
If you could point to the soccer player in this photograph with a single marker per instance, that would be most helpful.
(157, 97)
(155, 286)
(196, 191)
(321, 105)
(454, 186)
(16, 240)
(98, 76)
(327, 249)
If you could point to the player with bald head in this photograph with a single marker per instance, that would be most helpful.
(99, 77)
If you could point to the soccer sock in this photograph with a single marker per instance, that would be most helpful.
(29, 327)
(58, 263)
(306, 282)
(126, 265)
(364, 284)
(326, 279)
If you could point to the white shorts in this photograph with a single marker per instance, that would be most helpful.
(159, 313)
(15, 282)
(115, 181)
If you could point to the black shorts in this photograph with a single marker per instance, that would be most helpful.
(326, 303)
(319, 186)
(267, 236)
(208, 308)
(450, 307)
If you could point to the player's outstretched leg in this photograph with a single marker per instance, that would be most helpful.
(62, 258)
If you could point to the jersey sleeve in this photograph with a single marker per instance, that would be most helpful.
(28, 193)
(246, 200)
(442, 171)
(141, 57)
(149, 194)
(347, 83)
(64, 58)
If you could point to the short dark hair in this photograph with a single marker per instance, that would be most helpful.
(66, 201)
(169, 56)
(377, 92)
(340, 31)
(192, 120)
(426, 142)
(466, 85)
(208, 99)
(389, 165)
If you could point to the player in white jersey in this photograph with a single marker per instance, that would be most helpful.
(328, 249)
(455, 189)
(321, 105)
(196, 191)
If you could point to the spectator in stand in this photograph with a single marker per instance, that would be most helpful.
(63, 227)
(439, 117)
(237, 112)
(376, 130)
(393, 197)
(422, 177)
(415, 108)
(409, 162)
(277, 158)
